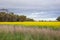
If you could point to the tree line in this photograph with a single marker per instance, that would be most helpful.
(11, 17)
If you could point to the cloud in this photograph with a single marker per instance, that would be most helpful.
(45, 15)
(37, 9)
(31, 4)
(37, 14)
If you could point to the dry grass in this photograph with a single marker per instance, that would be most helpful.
(31, 33)
(13, 28)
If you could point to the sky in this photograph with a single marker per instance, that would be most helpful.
(36, 9)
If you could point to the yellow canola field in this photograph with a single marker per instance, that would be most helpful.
(33, 23)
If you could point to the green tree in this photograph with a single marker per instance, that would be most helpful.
(2, 15)
(11, 17)
(29, 19)
(22, 18)
(58, 18)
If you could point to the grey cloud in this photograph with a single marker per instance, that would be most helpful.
(42, 9)
(31, 4)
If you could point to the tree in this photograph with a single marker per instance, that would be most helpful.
(11, 17)
(2, 15)
(22, 18)
(29, 19)
(58, 18)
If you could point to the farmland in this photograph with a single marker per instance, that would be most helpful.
(29, 30)
(35, 24)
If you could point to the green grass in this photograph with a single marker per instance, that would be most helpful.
(28, 36)
(46, 33)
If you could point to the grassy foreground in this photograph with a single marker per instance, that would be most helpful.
(12, 32)
(29, 36)
(29, 31)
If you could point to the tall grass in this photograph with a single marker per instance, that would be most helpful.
(13, 32)
(29, 36)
